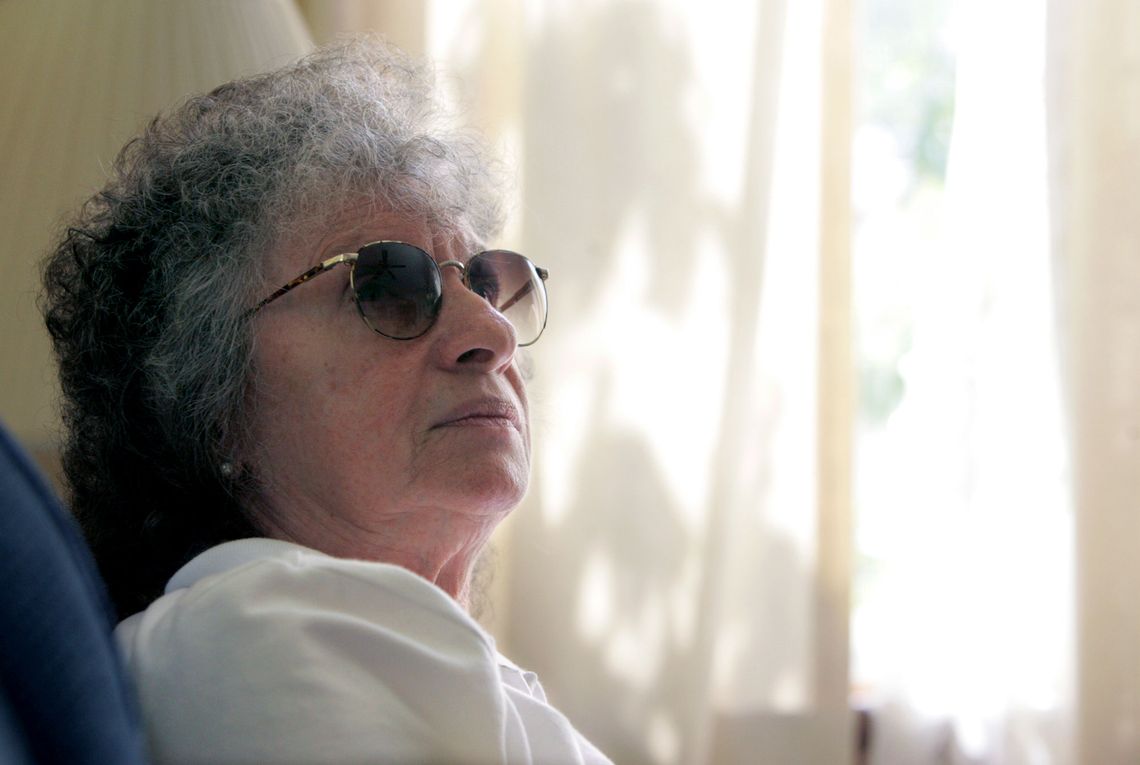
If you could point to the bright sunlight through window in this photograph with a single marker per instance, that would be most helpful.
(961, 608)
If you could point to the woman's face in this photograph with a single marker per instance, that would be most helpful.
(357, 436)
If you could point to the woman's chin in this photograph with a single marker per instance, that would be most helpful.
(489, 490)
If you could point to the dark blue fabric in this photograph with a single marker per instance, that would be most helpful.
(65, 696)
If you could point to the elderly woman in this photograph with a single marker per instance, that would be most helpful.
(295, 413)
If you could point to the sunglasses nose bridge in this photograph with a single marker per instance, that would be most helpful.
(456, 265)
(459, 266)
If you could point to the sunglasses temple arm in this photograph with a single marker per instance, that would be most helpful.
(316, 270)
(525, 290)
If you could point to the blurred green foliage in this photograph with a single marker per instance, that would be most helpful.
(906, 81)
(905, 90)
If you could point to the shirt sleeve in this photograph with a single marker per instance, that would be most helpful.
(285, 662)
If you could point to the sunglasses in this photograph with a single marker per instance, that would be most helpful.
(398, 288)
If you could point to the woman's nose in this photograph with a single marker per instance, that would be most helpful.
(470, 333)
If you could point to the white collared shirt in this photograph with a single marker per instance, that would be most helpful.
(263, 651)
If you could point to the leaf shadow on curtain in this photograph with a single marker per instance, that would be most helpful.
(606, 136)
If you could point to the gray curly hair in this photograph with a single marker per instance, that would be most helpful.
(146, 295)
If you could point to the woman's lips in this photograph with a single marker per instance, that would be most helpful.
(484, 412)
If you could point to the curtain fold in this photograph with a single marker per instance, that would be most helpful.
(1094, 122)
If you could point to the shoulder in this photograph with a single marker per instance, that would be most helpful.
(297, 656)
(256, 579)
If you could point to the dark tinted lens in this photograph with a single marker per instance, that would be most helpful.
(397, 289)
(511, 284)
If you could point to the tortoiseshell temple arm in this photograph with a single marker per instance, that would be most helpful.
(524, 290)
(317, 270)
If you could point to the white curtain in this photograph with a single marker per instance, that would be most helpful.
(1094, 121)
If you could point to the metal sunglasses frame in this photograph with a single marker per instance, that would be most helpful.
(350, 258)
